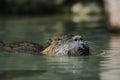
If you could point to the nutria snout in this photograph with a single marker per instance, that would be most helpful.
(67, 45)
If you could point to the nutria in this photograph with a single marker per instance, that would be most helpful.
(67, 45)
(22, 47)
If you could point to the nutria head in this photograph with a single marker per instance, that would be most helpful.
(67, 45)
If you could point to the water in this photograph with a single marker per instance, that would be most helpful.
(102, 64)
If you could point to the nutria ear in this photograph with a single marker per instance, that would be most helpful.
(49, 41)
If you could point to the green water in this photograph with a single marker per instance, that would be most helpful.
(102, 64)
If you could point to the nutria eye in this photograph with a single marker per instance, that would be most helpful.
(81, 39)
(76, 39)
(59, 39)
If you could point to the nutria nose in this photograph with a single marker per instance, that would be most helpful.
(77, 38)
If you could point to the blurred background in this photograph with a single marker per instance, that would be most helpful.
(48, 18)
(38, 20)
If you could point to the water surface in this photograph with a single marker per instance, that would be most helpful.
(102, 64)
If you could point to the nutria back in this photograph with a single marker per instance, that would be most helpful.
(24, 47)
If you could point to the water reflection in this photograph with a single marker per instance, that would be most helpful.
(111, 66)
(74, 68)
(51, 68)
(13, 74)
